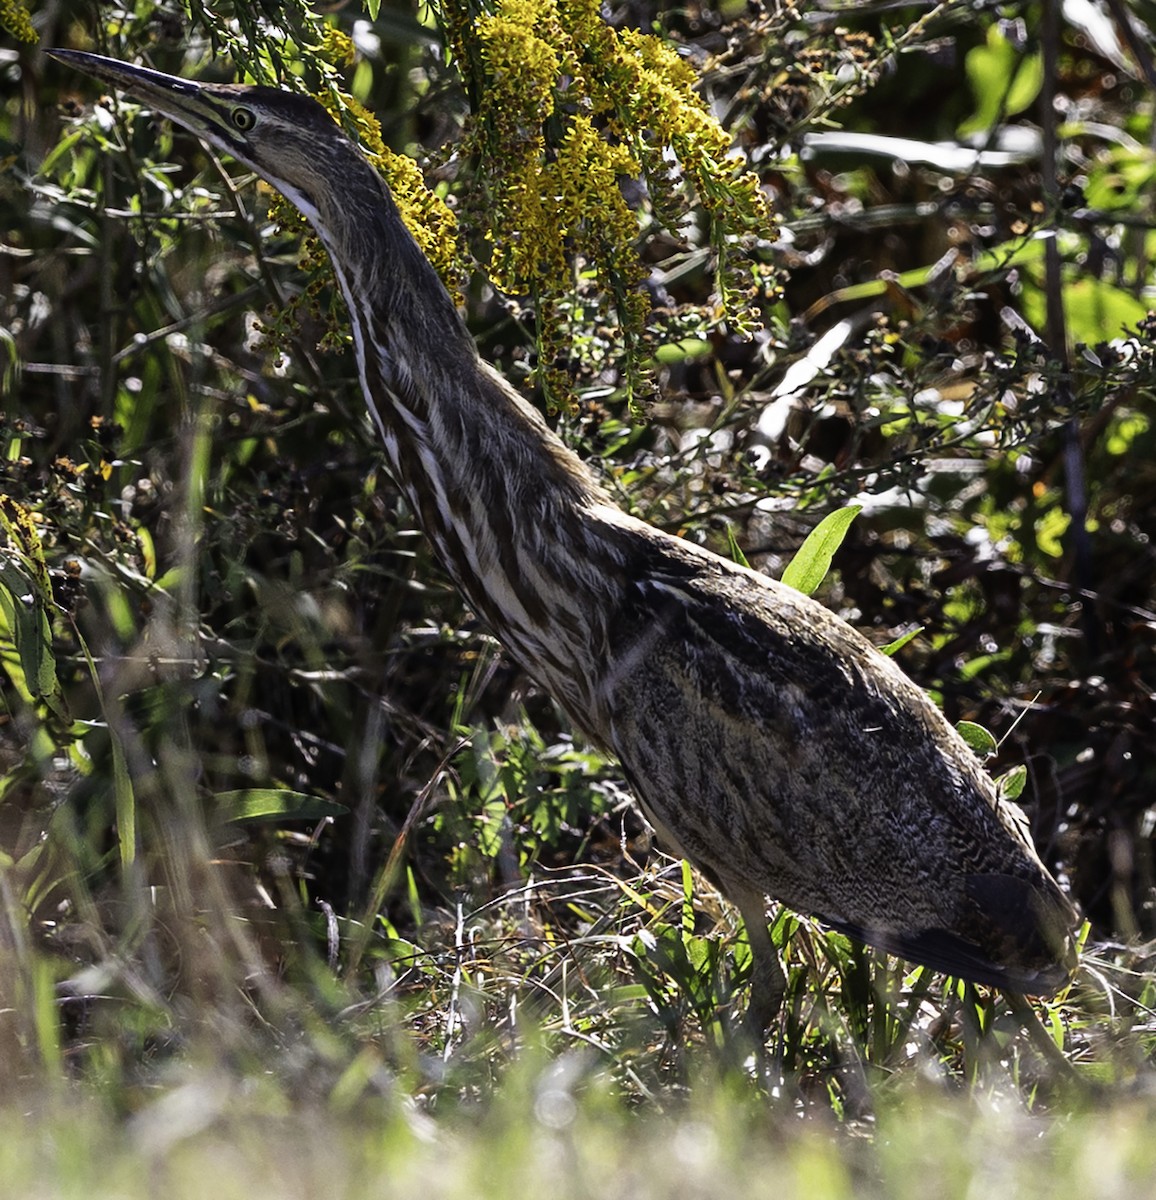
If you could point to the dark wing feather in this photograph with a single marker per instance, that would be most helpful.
(783, 754)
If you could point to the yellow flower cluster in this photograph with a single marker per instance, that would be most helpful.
(653, 88)
(337, 47)
(15, 18)
(428, 218)
(520, 67)
(565, 108)
(521, 62)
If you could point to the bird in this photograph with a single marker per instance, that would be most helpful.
(767, 741)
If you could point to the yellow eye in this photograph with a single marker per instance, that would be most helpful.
(243, 119)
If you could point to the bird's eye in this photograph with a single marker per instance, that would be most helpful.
(243, 119)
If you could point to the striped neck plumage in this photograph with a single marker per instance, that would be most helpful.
(506, 505)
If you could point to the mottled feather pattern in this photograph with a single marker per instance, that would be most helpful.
(813, 769)
(766, 739)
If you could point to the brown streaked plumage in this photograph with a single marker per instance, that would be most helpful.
(767, 740)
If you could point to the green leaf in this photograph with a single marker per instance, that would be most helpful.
(978, 738)
(735, 549)
(1010, 784)
(274, 804)
(1004, 82)
(1025, 86)
(491, 826)
(20, 629)
(123, 791)
(901, 641)
(1121, 179)
(811, 563)
(25, 604)
(688, 917)
(1015, 252)
(681, 351)
(1096, 310)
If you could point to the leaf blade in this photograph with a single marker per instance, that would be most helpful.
(274, 804)
(812, 560)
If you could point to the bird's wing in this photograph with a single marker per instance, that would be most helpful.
(781, 752)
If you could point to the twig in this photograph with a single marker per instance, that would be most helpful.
(1056, 333)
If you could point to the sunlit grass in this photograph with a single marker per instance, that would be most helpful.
(558, 1129)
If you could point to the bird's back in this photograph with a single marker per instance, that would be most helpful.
(778, 750)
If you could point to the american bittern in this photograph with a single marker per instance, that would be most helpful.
(768, 742)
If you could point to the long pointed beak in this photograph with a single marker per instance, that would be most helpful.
(177, 98)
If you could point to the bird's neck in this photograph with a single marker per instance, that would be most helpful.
(510, 511)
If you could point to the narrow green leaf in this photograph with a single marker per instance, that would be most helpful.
(125, 800)
(15, 604)
(978, 738)
(901, 641)
(274, 804)
(123, 792)
(47, 684)
(25, 628)
(682, 351)
(47, 1017)
(1016, 252)
(413, 897)
(735, 549)
(813, 560)
(688, 917)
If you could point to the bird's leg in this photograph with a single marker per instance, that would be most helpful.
(768, 983)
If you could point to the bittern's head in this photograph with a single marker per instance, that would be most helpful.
(288, 139)
(294, 144)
